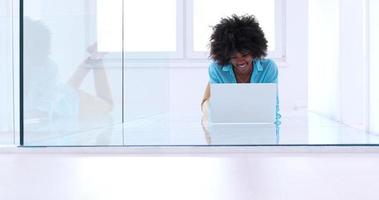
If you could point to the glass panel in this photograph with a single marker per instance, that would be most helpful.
(77, 93)
(206, 14)
(374, 65)
(70, 85)
(6, 73)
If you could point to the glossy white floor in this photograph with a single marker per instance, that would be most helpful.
(209, 173)
(227, 176)
(297, 128)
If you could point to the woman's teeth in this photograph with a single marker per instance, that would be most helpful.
(242, 65)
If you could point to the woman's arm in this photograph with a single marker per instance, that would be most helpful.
(204, 102)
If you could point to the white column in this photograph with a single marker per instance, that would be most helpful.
(293, 79)
(323, 95)
(352, 63)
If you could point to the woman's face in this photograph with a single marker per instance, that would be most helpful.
(242, 61)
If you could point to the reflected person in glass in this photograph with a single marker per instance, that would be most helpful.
(46, 96)
(238, 48)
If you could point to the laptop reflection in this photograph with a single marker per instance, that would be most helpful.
(241, 134)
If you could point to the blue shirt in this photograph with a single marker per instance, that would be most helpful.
(264, 71)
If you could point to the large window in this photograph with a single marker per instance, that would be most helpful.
(181, 28)
(208, 13)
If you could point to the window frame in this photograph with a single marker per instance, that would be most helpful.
(184, 40)
(179, 40)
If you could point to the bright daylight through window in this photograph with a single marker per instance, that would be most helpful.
(160, 26)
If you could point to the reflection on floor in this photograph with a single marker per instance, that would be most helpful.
(297, 128)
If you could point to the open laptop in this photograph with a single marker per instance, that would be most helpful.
(243, 103)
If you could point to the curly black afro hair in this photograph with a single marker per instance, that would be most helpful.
(237, 34)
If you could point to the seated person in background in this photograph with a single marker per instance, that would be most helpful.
(238, 47)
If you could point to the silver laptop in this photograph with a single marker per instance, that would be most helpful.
(243, 103)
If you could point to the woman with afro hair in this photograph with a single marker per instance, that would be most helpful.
(238, 48)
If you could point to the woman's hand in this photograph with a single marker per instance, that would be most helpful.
(95, 57)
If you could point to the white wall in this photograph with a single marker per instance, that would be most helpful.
(146, 92)
(293, 79)
(338, 67)
(352, 63)
(187, 87)
(323, 57)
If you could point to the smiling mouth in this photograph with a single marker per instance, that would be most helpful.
(242, 65)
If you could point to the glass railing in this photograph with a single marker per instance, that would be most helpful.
(87, 82)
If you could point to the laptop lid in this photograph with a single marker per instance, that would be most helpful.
(243, 103)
